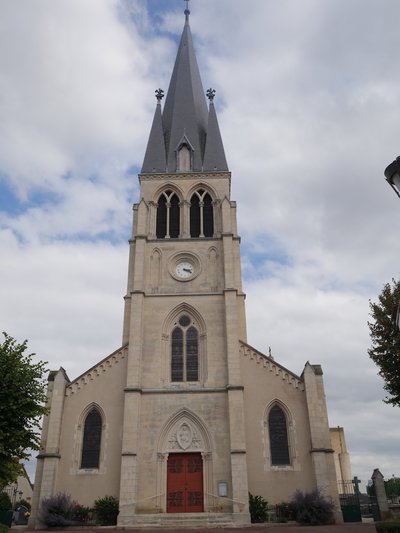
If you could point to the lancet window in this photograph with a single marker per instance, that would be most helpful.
(278, 437)
(90, 457)
(184, 351)
(201, 215)
(168, 216)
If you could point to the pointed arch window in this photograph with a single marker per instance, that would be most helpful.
(90, 457)
(201, 215)
(184, 351)
(168, 216)
(278, 437)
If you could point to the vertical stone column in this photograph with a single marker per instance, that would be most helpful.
(49, 456)
(321, 448)
(130, 437)
(128, 489)
(236, 411)
(152, 219)
(185, 219)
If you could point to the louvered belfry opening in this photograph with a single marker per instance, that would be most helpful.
(91, 440)
(195, 216)
(208, 216)
(168, 218)
(201, 215)
(174, 217)
(161, 224)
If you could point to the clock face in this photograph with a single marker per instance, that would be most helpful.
(184, 269)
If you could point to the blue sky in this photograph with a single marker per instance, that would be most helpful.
(308, 105)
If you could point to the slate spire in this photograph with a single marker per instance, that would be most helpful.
(214, 154)
(154, 159)
(185, 119)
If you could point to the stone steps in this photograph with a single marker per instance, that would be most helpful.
(181, 520)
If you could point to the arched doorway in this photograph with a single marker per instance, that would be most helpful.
(184, 465)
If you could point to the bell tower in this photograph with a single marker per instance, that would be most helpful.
(184, 317)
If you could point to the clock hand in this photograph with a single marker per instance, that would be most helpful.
(188, 270)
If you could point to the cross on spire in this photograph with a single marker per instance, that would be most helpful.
(187, 11)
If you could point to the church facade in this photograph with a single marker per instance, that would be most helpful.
(185, 418)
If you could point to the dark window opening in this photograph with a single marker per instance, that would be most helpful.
(91, 440)
(174, 217)
(184, 351)
(177, 355)
(195, 216)
(192, 364)
(161, 225)
(201, 215)
(208, 216)
(278, 437)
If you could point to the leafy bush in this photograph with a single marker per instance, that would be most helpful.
(388, 527)
(5, 502)
(57, 511)
(107, 510)
(258, 508)
(81, 514)
(3, 528)
(312, 508)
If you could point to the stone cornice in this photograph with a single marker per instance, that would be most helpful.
(322, 450)
(200, 390)
(179, 176)
(45, 455)
(96, 370)
(271, 365)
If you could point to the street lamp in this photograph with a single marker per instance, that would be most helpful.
(392, 174)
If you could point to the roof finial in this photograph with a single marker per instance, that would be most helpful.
(210, 94)
(159, 95)
(187, 12)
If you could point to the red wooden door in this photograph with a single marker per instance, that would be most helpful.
(185, 483)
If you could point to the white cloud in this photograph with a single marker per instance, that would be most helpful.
(308, 103)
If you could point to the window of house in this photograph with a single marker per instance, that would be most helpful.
(201, 215)
(184, 351)
(168, 216)
(278, 437)
(91, 440)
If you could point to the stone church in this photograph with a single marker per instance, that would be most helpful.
(185, 418)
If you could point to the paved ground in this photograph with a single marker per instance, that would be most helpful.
(255, 528)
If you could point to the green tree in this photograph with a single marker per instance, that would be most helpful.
(392, 487)
(22, 404)
(385, 336)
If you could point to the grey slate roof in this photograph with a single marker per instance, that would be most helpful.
(154, 159)
(214, 155)
(185, 116)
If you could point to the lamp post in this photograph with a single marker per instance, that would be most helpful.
(392, 174)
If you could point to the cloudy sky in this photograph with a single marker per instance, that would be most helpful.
(308, 99)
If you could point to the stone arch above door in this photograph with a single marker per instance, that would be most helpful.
(184, 432)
